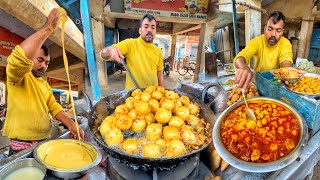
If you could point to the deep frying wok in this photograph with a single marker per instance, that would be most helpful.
(107, 106)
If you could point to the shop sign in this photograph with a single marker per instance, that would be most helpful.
(8, 41)
(193, 9)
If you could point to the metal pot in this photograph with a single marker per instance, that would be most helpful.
(260, 167)
(70, 173)
(15, 165)
(107, 106)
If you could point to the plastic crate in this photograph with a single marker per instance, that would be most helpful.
(308, 107)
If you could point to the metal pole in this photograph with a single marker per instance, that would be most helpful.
(88, 42)
(235, 30)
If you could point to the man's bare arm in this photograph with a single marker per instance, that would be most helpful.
(160, 78)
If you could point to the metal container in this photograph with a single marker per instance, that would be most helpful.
(259, 167)
(71, 173)
(15, 165)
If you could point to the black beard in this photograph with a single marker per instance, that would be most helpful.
(272, 41)
(148, 40)
(38, 73)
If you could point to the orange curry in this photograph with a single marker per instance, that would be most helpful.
(274, 135)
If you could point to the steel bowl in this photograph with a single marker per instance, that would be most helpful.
(70, 173)
(259, 167)
(15, 165)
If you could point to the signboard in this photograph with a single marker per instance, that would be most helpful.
(193, 9)
(8, 41)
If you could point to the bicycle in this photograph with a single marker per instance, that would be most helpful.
(184, 69)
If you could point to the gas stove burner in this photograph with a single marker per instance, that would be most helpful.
(189, 169)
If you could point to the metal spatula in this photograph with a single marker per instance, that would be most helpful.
(249, 112)
(129, 73)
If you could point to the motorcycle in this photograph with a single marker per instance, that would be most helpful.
(166, 69)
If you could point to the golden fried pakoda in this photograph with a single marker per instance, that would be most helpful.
(171, 132)
(163, 116)
(130, 146)
(114, 137)
(175, 148)
(151, 151)
(154, 131)
(123, 122)
(176, 121)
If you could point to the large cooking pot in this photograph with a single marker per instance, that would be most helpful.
(107, 106)
(259, 167)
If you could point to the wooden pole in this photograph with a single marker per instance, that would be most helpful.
(173, 50)
(305, 37)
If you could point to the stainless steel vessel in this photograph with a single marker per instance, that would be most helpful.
(259, 167)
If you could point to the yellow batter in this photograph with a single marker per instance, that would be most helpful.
(66, 154)
(63, 20)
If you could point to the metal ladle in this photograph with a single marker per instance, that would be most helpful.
(249, 112)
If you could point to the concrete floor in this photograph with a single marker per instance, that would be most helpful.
(117, 83)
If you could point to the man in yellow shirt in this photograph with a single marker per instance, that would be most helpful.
(144, 58)
(271, 51)
(30, 98)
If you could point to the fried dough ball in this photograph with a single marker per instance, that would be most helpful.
(137, 98)
(167, 104)
(138, 125)
(189, 137)
(194, 109)
(130, 146)
(133, 113)
(154, 104)
(178, 103)
(185, 100)
(160, 89)
(154, 131)
(105, 127)
(183, 112)
(193, 121)
(161, 143)
(172, 95)
(145, 96)
(136, 92)
(150, 89)
(114, 137)
(157, 95)
(130, 104)
(175, 148)
(143, 108)
(110, 118)
(151, 151)
(123, 122)
(150, 118)
(171, 132)
(163, 116)
(176, 121)
(121, 109)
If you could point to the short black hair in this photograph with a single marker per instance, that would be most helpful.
(277, 16)
(45, 50)
(149, 16)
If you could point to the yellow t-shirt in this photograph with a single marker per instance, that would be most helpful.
(267, 57)
(144, 60)
(30, 100)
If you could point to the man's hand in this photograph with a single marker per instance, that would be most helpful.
(293, 69)
(74, 133)
(111, 52)
(53, 18)
(243, 77)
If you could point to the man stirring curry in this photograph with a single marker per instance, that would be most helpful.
(30, 98)
(271, 51)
